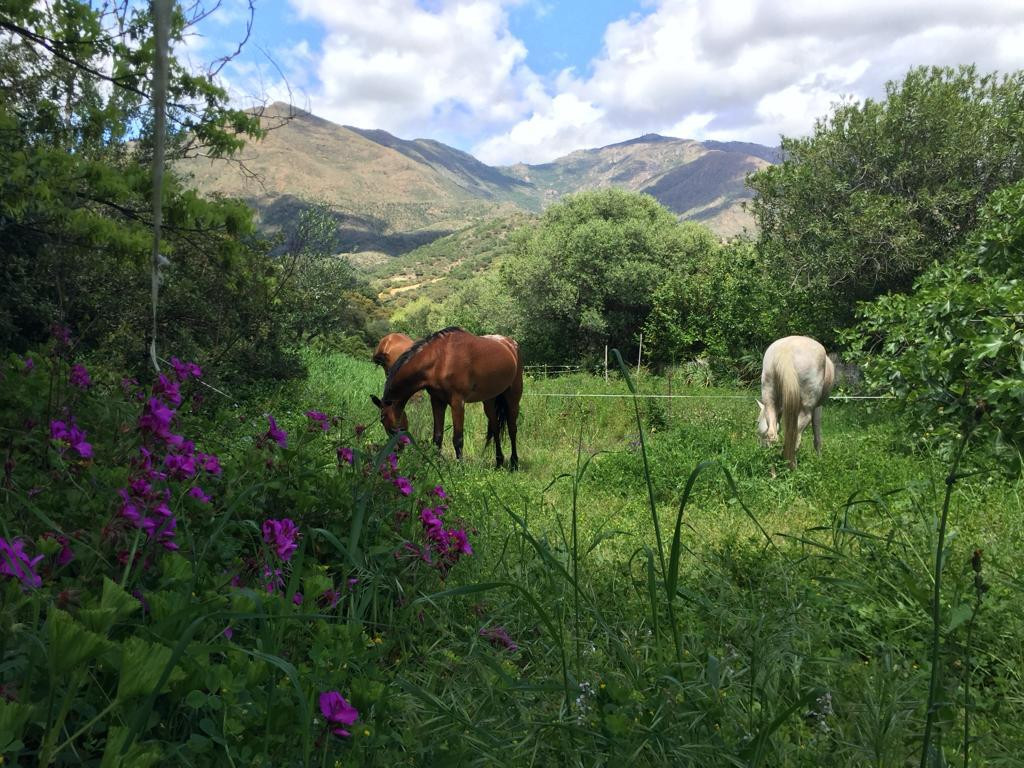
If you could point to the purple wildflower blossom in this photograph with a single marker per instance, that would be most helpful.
(282, 535)
(197, 493)
(15, 563)
(169, 390)
(276, 434)
(80, 376)
(328, 598)
(499, 638)
(297, 598)
(337, 712)
(345, 454)
(319, 418)
(184, 370)
(72, 436)
(228, 632)
(30, 365)
(403, 485)
(439, 492)
(66, 554)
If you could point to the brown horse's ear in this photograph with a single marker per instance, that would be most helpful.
(376, 401)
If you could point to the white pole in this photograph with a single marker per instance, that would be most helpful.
(605, 363)
(639, 354)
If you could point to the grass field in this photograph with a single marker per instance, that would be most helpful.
(798, 629)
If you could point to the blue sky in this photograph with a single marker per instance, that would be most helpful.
(531, 80)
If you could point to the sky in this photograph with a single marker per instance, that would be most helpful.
(532, 80)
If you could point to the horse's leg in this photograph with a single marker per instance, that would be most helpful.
(801, 424)
(491, 409)
(816, 424)
(458, 417)
(512, 399)
(437, 405)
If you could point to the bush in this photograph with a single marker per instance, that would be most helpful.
(953, 349)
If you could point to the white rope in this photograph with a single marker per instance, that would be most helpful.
(161, 27)
(208, 386)
(690, 397)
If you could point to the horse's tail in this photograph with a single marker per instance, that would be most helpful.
(501, 409)
(787, 380)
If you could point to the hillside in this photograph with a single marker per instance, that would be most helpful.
(391, 195)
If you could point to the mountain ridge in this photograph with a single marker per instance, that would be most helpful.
(391, 194)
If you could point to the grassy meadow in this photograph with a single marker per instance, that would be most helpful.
(799, 628)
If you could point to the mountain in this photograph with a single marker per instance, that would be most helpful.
(391, 195)
(699, 181)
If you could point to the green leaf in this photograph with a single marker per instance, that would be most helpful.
(71, 644)
(141, 666)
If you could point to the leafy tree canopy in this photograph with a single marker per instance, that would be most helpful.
(881, 189)
(953, 350)
(585, 276)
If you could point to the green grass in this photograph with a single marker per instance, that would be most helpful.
(836, 599)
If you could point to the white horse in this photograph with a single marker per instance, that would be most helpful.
(796, 377)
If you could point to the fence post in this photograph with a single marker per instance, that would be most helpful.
(605, 363)
(639, 354)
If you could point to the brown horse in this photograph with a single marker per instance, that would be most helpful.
(390, 348)
(456, 367)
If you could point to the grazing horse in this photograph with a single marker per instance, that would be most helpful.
(390, 349)
(456, 367)
(796, 377)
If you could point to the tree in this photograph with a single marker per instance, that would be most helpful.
(953, 349)
(585, 276)
(724, 305)
(881, 189)
(75, 212)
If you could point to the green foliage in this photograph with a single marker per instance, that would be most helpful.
(884, 188)
(953, 349)
(585, 276)
(723, 306)
(75, 210)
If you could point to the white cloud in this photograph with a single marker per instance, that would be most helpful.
(416, 71)
(743, 69)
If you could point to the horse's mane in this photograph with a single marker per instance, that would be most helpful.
(413, 350)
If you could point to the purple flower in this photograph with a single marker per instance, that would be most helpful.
(282, 534)
(184, 370)
(209, 463)
(403, 440)
(460, 542)
(439, 492)
(228, 632)
(297, 598)
(345, 454)
(156, 418)
(169, 390)
(403, 485)
(66, 554)
(198, 494)
(30, 364)
(328, 598)
(70, 434)
(319, 418)
(499, 638)
(80, 376)
(337, 712)
(18, 565)
(277, 434)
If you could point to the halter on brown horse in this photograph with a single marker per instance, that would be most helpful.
(456, 367)
(390, 348)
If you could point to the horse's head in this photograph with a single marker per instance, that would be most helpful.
(767, 429)
(392, 415)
